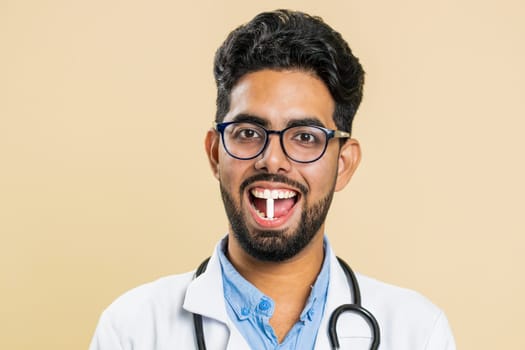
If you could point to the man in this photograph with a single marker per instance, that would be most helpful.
(288, 87)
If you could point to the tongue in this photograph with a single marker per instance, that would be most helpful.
(281, 206)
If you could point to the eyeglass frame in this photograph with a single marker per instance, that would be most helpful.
(330, 134)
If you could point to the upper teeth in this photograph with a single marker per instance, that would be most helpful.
(274, 194)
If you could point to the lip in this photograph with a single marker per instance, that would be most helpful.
(276, 222)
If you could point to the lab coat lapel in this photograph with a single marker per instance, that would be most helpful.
(205, 296)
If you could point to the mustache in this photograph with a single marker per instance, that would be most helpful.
(274, 178)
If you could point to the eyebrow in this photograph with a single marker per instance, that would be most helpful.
(307, 121)
(244, 117)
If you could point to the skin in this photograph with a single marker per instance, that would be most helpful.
(279, 97)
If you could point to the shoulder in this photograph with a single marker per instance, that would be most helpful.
(406, 316)
(390, 297)
(146, 316)
(153, 300)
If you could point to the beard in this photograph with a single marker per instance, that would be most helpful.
(276, 245)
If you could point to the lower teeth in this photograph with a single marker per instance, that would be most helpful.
(264, 216)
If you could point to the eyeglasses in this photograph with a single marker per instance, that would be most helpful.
(302, 144)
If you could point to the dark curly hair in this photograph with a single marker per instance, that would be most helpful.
(285, 39)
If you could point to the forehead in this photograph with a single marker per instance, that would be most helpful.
(279, 97)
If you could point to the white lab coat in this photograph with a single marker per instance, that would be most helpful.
(158, 316)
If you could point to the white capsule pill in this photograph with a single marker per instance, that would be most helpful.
(269, 208)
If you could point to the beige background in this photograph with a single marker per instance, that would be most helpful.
(104, 184)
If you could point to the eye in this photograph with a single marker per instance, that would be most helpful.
(306, 136)
(245, 132)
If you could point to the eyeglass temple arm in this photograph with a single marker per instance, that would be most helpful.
(341, 134)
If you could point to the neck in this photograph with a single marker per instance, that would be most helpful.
(288, 282)
(292, 278)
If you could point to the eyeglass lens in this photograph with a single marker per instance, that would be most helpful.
(300, 143)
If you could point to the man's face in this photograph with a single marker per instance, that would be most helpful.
(277, 99)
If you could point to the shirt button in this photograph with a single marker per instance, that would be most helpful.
(264, 305)
(245, 311)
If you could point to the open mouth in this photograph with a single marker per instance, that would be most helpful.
(272, 204)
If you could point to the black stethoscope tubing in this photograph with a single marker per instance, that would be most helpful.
(355, 307)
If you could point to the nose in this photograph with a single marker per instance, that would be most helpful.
(273, 159)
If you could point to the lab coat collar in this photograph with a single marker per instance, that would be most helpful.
(205, 295)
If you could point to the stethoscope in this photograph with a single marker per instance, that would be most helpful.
(332, 332)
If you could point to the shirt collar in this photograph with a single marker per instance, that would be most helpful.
(246, 300)
(317, 298)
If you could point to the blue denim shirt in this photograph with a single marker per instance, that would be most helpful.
(250, 310)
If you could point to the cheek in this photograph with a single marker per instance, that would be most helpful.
(231, 173)
(321, 179)
(225, 171)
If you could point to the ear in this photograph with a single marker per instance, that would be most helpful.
(211, 145)
(349, 158)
